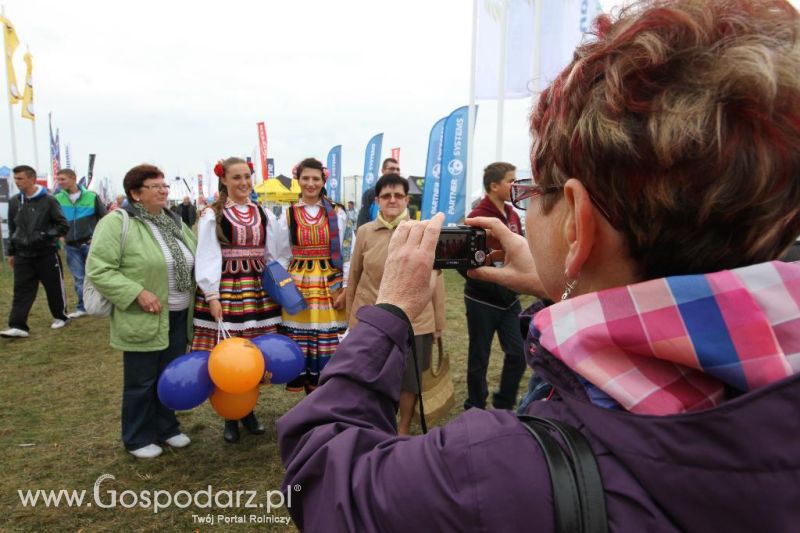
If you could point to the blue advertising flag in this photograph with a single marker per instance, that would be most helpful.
(430, 193)
(334, 184)
(453, 177)
(371, 162)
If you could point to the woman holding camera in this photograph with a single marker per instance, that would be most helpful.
(151, 285)
(366, 272)
(666, 184)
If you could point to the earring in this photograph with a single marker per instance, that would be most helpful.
(569, 288)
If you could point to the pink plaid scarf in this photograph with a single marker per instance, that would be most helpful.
(671, 345)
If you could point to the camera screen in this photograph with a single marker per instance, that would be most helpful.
(452, 246)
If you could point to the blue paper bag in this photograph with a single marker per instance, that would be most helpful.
(281, 288)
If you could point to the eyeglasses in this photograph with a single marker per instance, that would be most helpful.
(163, 186)
(523, 190)
(389, 195)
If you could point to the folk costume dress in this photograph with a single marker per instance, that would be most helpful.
(319, 260)
(231, 254)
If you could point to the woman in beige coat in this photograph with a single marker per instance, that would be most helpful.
(366, 272)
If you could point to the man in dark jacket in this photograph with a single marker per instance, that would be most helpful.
(35, 223)
(492, 308)
(82, 209)
(187, 211)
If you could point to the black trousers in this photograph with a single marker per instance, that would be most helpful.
(28, 272)
(145, 420)
(482, 323)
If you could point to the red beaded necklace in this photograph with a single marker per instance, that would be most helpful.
(308, 218)
(246, 219)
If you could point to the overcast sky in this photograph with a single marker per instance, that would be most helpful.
(181, 84)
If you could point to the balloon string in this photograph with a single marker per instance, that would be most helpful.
(222, 331)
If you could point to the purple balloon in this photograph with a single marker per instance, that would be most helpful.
(282, 356)
(185, 383)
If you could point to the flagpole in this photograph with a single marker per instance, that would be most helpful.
(33, 128)
(471, 114)
(35, 147)
(8, 98)
(501, 85)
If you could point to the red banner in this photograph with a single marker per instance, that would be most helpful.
(396, 154)
(262, 143)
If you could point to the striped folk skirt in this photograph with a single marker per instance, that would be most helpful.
(247, 311)
(317, 328)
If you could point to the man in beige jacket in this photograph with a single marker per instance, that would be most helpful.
(366, 272)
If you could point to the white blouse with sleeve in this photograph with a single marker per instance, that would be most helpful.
(208, 269)
(278, 246)
(208, 260)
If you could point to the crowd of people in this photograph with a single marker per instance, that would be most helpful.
(178, 279)
(665, 188)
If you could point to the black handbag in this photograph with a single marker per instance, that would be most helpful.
(578, 496)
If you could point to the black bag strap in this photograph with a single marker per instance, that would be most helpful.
(578, 496)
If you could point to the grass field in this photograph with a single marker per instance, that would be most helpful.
(60, 394)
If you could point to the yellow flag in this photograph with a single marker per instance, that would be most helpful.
(11, 43)
(27, 97)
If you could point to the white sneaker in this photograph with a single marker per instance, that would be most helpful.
(14, 333)
(181, 440)
(77, 314)
(58, 324)
(146, 452)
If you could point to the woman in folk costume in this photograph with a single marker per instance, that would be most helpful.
(232, 237)
(320, 239)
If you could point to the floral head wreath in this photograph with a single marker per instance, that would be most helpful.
(325, 172)
(220, 171)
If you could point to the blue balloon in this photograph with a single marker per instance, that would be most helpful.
(185, 383)
(283, 357)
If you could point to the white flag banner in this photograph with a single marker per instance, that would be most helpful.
(519, 47)
(530, 66)
(563, 25)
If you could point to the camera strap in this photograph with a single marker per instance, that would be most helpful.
(422, 422)
(578, 495)
(396, 311)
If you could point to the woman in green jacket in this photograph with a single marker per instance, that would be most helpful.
(151, 287)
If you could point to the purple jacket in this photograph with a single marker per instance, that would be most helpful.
(732, 468)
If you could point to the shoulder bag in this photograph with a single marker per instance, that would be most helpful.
(95, 303)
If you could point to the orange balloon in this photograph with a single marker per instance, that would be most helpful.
(233, 406)
(236, 365)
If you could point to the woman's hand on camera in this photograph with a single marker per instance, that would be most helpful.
(149, 302)
(407, 278)
(215, 309)
(519, 271)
